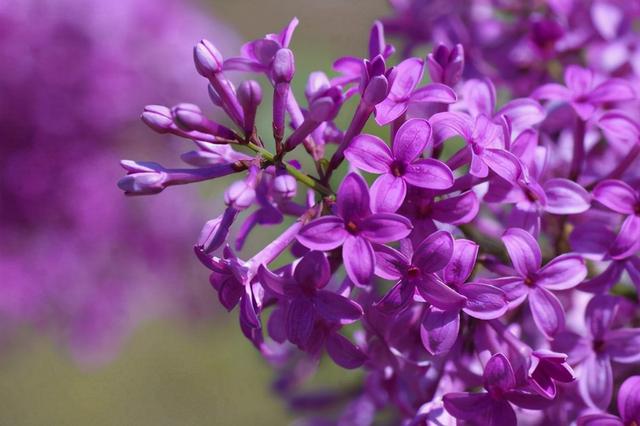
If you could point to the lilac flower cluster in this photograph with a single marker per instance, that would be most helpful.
(76, 261)
(470, 265)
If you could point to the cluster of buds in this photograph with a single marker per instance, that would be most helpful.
(456, 281)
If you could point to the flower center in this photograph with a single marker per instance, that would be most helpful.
(598, 345)
(532, 196)
(413, 273)
(352, 227)
(529, 282)
(398, 168)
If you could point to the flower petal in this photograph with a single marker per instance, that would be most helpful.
(385, 227)
(462, 262)
(409, 74)
(484, 301)
(353, 198)
(429, 173)
(599, 420)
(456, 210)
(313, 270)
(623, 345)
(552, 91)
(498, 374)
(333, 307)
(343, 352)
(579, 80)
(616, 195)
(388, 193)
(599, 314)
(547, 312)
(411, 139)
(299, 321)
(562, 273)
(324, 233)
(503, 163)
(438, 293)
(627, 242)
(612, 90)
(358, 258)
(434, 92)
(465, 405)
(369, 153)
(514, 288)
(523, 250)
(566, 197)
(439, 330)
(523, 113)
(397, 298)
(629, 399)
(390, 263)
(390, 109)
(449, 124)
(479, 96)
(596, 381)
(434, 252)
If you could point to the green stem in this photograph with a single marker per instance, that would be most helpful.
(300, 177)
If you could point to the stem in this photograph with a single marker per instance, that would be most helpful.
(578, 149)
(300, 177)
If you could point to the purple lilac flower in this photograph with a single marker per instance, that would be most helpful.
(628, 407)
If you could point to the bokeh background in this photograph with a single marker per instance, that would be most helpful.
(168, 355)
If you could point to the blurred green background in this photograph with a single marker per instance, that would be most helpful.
(175, 372)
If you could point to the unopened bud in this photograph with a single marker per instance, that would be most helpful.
(158, 118)
(207, 58)
(240, 195)
(283, 66)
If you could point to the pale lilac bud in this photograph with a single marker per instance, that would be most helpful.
(189, 117)
(284, 185)
(326, 107)
(144, 178)
(446, 66)
(215, 232)
(207, 58)
(283, 66)
(215, 98)
(249, 96)
(376, 91)
(318, 82)
(158, 118)
(240, 195)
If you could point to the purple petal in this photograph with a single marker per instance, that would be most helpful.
(465, 405)
(566, 197)
(388, 193)
(526, 216)
(333, 307)
(616, 195)
(273, 282)
(629, 399)
(523, 250)
(439, 330)
(313, 270)
(478, 168)
(385, 227)
(562, 273)
(513, 287)
(479, 96)
(358, 258)
(523, 113)
(599, 315)
(484, 301)
(429, 173)
(369, 153)
(299, 321)
(411, 139)
(434, 253)
(633, 269)
(579, 80)
(602, 282)
(552, 91)
(389, 110)
(524, 147)
(434, 92)
(324, 233)
(627, 242)
(456, 210)
(344, 353)
(596, 382)
(390, 263)
(276, 326)
(599, 420)
(619, 126)
(353, 198)
(397, 298)
(409, 74)
(462, 262)
(438, 293)
(503, 163)
(547, 312)
(498, 374)
(449, 124)
(527, 400)
(612, 90)
(623, 345)
(500, 414)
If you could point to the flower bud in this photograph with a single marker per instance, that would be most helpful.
(158, 118)
(240, 195)
(189, 117)
(445, 66)
(376, 91)
(284, 185)
(249, 96)
(207, 58)
(215, 98)
(283, 66)
(215, 232)
(143, 178)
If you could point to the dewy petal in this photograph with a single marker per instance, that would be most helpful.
(411, 139)
(313, 270)
(358, 258)
(523, 250)
(616, 195)
(429, 173)
(434, 92)
(462, 262)
(353, 198)
(369, 153)
(552, 91)
(465, 405)
(390, 263)
(439, 330)
(547, 312)
(299, 321)
(627, 242)
(596, 381)
(484, 301)
(434, 252)
(562, 273)
(449, 124)
(343, 352)
(333, 307)
(479, 96)
(623, 345)
(438, 293)
(503, 163)
(388, 193)
(498, 374)
(385, 227)
(324, 233)
(629, 399)
(566, 197)
(456, 210)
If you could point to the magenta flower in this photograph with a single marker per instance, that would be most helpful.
(547, 368)
(535, 282)
(628, 407)
(596, 351)
(493, 407)
(354, 228)
(399, 166)
(584, 93)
